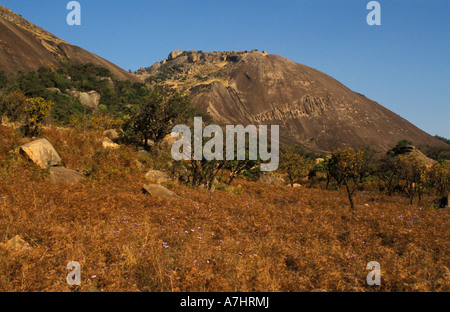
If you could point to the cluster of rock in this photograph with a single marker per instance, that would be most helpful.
(412, 150)
(42, 153)
(185, 61)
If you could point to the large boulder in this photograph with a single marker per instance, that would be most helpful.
(42, 153)
(89, 99)
(108, 144)
(193, 56)
(154, 68)
(64, 175)
(319, 160)
(174, 54)
(157, 177)
(54, 90)
(158, 191)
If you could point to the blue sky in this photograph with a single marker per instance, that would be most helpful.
(404, 64)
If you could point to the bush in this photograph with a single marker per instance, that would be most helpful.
(294, 165)
(36, 109)
(12, 105)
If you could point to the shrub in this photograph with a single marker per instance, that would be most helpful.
(294, 165)
(36, 109)
(12, 105)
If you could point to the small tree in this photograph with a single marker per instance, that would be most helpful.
(154, 119)
(389, 173)
(413, 172)
(345, 167)
(294, 165)
(13, 104)
(439, 178)
(36, 110)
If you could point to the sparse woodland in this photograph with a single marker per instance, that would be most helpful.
(225, 231)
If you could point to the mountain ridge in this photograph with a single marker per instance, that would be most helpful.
(25, 47)
(312, 108)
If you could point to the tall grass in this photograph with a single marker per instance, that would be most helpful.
(262, 238)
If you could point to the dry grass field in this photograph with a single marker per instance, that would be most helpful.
(245, 237)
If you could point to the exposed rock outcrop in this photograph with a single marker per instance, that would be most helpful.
(25, 47)
(312, 109)
(89, 99)
(42, 153)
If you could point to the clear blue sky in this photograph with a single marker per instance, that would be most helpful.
(404, 64)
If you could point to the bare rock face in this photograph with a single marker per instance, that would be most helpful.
(42, 153)
(63, 175)
(25, 47)
(312, 109)
(157, 190)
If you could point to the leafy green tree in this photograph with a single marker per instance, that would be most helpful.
(30, 84)
(321, 167)
(389, 173)
(154, 119)
(12, 105)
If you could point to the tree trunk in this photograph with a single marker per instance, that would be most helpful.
(350, 196)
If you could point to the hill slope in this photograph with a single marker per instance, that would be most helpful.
(312, 108)
(25, 47)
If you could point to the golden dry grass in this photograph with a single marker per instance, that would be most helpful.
(248, 237)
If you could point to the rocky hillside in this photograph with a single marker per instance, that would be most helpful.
(25, 47)
(312, 108)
